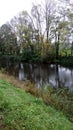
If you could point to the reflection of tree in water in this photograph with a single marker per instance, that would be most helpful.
(36, 73)
(59, 82)
(64, 77)
(57, 76)
(41, 74)
(21, 72)
(10, 66)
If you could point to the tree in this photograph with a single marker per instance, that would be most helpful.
(8, 39)
(24, 29)
(36, 13)
(70, 19)
(49, 14)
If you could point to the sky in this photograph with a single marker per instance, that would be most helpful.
(10, 8)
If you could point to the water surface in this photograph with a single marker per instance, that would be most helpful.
(41, 74)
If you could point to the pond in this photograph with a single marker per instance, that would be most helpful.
(41, 74)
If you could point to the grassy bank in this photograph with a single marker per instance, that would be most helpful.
(59, 98)
(21, 111)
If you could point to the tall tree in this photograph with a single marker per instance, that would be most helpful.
(24, 28)
(36, 13)
(8, 39)
(49, 14)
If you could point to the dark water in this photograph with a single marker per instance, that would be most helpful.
(41, 74)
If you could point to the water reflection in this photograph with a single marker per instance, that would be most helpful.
(54, 75)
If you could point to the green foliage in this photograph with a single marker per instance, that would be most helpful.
(37, 53)
(8, 40)
(66, 60)
(23, 111)
(31, 55)
(41, 28)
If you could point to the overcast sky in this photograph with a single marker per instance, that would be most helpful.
(10, 8)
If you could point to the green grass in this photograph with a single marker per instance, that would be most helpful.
(21, 111)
